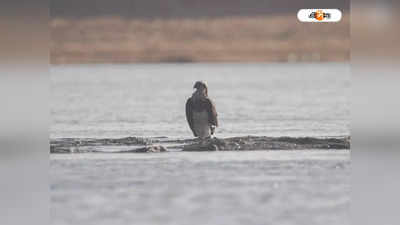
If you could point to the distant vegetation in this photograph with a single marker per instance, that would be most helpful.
(273, 38)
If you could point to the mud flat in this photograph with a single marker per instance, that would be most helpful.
(162, 144)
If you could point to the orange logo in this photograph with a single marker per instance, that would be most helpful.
(320, 15)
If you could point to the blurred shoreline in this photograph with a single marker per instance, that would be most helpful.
(274, 38)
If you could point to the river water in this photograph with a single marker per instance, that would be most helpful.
(240, 187)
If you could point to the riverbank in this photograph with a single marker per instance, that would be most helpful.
(274, 38)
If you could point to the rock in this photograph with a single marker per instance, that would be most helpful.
(212, 144)
(152, 148)
(157, 148)
(245, 143)
(268, 143)
(214, 147)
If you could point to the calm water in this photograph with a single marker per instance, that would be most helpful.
(216, 188)
(149, 100)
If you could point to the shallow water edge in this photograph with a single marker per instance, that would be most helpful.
(164, 144)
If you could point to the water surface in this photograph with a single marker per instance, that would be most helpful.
(307, 187)
(149, 99)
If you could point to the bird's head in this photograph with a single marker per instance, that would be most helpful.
(201, 86)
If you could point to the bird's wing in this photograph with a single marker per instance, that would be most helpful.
(212, 113)
(189, 114)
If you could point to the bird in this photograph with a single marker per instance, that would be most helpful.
(201, 114)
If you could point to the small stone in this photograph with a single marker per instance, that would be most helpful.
(157, 148)
(214, 147)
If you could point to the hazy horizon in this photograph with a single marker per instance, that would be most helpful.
(194, 31)
(185, 9)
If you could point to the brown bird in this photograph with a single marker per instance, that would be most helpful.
(200, 112)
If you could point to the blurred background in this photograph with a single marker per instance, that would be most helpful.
(375, 109)
(128, 31)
